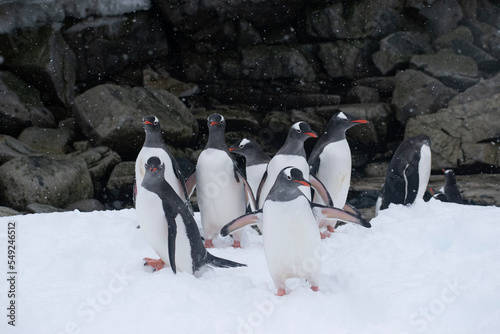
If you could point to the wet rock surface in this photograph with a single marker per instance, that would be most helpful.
(76, 81)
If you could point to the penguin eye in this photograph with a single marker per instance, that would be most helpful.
(221, 121)
(155, 122)
(288, 177)
(298, 131)
(241, 146)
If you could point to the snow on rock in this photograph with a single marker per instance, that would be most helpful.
(32, 14)
(430, 268)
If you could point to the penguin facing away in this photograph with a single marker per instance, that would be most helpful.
(292, 153)
(169, 227)
(155, 146)
(449, 192)
(255, 161)
(290, 229)
(408, 172)
(221, 189)
(331, 161)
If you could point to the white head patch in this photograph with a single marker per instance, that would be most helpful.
(156, 120)
(221, 118)
(341, 115)
(243, 142)
(288, 171)
(296, 126)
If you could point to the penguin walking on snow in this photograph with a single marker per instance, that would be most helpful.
(221, 189)
(169, 227)
(292, 244)
(155, 146)
(449, 192)
(408, 173)
(292, 153)
(331, 162)
(255, 161)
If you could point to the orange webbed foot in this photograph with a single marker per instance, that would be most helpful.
(281, 292)
(209, 243)
(156, 264)
(325, 235)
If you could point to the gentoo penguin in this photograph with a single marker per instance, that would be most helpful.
(292, 153)
(255, 161)
(408, 172)
(168, 225)
(155, 146)
(449, 192)
(292, 244)
(221, 189)
(331, 161)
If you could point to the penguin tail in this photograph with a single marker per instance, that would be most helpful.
(222, 263)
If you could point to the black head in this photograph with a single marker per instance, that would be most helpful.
(302, 130)
(342, 121)
(286, 186)
(420, 140)
(154, 167)
(293, 177)
(151, 124)
(449, 174)
(216, 121)
(243, 147)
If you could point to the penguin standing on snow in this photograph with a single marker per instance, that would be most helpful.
(331, 161)
(290, 230)
(408, 173)
(255, 161)
(169, 227)
(155, 146)
(292, 153)
(449, 192)
(221, 189)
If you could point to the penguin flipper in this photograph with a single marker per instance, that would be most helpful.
(236, 224)
(172, 234)
(321, 189)
(264, 178)
(191, 183)
(411, 178)
(349, 208)
(314, 162)
(250, 198)
(326, 212)
(222, 263)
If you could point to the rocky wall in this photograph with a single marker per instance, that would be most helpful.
(77, 84)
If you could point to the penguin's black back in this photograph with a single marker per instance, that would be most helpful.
(402, 178)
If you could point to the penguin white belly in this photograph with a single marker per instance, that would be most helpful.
(424, 170)
(335, 172)
(148, 152)
(154, 227)
(292, 242)
(277, 163)
(254, 176)
(220, 197)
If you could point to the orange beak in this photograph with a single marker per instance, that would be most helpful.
(304, 183)
(213, 123)
(362, 121)
(312, 134)
(231, 149)
(148, 122)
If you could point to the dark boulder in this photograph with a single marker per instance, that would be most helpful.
(54, 180)
(111, 115)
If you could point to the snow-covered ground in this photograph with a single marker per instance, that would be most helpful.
(430, 268)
